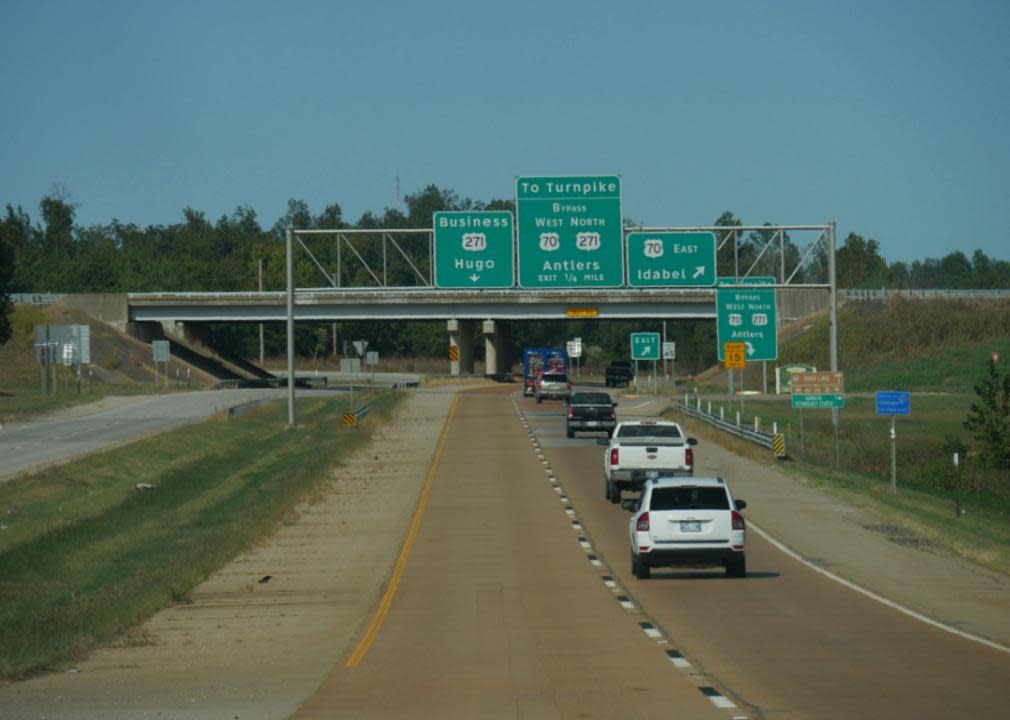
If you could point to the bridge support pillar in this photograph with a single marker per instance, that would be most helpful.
(494, 348)
(461, 347)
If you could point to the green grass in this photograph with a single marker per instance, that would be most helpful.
(925, 478)
(21, 403)
(84, 555)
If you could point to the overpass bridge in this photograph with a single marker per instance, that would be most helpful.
(175, 314)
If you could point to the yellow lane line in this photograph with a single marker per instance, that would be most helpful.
(401, 563)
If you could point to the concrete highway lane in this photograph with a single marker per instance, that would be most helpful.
(787, 642)
(499, 611)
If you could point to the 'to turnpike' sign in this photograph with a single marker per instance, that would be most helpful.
(571, 232)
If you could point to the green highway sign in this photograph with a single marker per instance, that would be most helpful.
(645, 346)
(818, 401)
(746, 313)
(570, 232)
(671, 259)
(474, 249)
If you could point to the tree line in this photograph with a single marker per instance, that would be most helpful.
(56, 254)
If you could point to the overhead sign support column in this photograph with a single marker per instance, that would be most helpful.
(571, 232)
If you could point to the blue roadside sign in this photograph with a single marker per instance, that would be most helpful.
(892, 402)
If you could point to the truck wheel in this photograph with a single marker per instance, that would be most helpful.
(640, 569)
(570, 434)
(737, 567)
(539, 399)
(614, 492)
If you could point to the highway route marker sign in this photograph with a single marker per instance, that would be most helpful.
(745, 312)
(671, 259)
(570, 232)
(474, 249)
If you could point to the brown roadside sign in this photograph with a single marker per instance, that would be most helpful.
(822, 382)
(734, 355)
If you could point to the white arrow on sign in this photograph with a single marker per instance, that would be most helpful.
(698, 272)
(474, 278)
(750, 348)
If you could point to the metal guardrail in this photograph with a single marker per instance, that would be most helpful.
(852, 294)
(351, 417)
(773, 441)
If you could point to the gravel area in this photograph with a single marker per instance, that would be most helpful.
(259, 636)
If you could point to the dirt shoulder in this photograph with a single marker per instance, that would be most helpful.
(258, 637)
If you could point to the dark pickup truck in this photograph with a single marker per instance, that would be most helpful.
(590, 412)
(618, 373)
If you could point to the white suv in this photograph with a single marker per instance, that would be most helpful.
(686, 521)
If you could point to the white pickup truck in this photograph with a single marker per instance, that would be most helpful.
(643, 449)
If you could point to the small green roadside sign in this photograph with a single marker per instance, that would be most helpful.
(818, 401)
(745, 312)
(671, 259)
(474, 249)
(645, 346)
(570, 232)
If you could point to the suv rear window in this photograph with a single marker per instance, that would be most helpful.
(689, 498)
(555, 377)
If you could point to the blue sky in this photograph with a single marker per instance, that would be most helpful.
(891, 118)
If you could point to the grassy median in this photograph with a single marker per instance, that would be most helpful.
(85, 554)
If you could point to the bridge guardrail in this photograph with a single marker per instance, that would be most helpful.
(773, 441)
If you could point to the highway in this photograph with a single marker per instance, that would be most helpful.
(518, 601)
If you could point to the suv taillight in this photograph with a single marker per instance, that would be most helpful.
(613, 456)
(570, 413)
(689, 457)
(643, 522)
(738, 523)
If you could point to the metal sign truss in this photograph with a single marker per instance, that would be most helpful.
(742, 252)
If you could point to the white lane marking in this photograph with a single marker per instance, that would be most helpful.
(873, 596)
(677, 659)
(625, 603)
(652, 632)
(721, 702)
(585, 544)
(610, 583)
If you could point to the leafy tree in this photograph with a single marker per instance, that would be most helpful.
(989, 418)
(726, 259)
(858, 264)
(6, 276)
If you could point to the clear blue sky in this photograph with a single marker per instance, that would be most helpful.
(891, 118)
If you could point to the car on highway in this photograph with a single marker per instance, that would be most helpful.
(553, 385)
(590, 412)
(687, 521)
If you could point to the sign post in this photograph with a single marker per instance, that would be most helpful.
(645, 346)
(893, 403)
(570, 232)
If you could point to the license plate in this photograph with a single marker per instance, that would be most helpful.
(593, 422)
(690, 526)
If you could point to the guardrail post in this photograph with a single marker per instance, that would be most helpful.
(775, 428)
(722, 415)
(709, 407)
(757, 423)
(738, 418)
